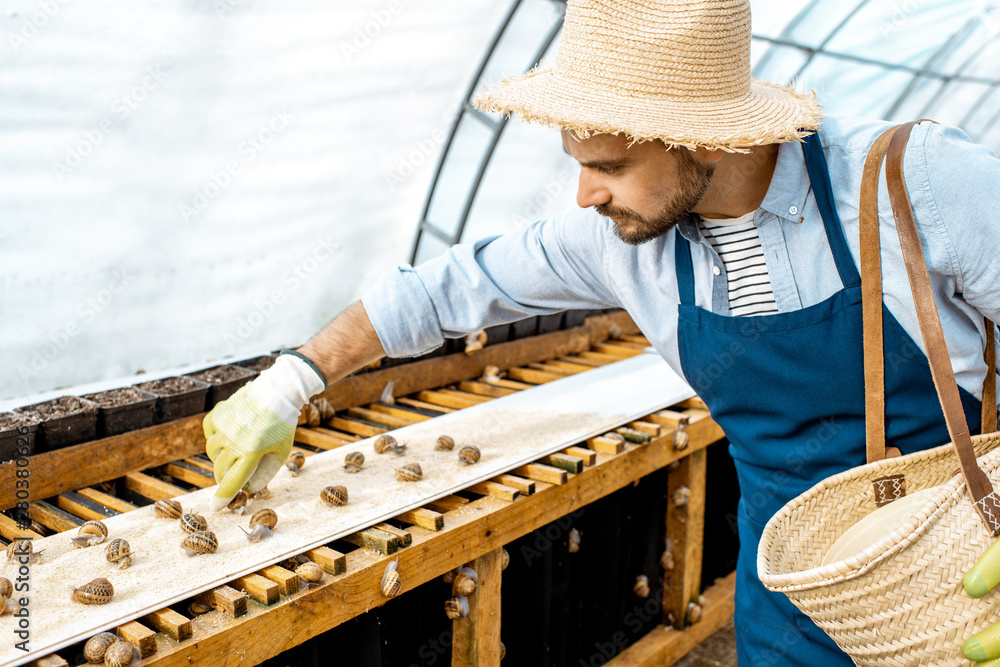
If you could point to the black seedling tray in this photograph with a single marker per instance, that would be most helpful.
(122, 410)
(24, 431)
(176, 397)
(56, 432)
(223, 381)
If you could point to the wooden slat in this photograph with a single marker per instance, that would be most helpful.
(151, 487)
(405, 536)
(117, 504)
(569, 365)
(542, 473)
(685, 529)
(333, 562)
(545, 367)
(169, 622)
(635, 338)
(10, 531)
(620, 351)
(695, 403)
(532, 376)
(600, 356)
(589, 457)
(139, 635)
(357, 427)
(200, 463)
(425, 406)
(227, 600)
(485, 389)
(605, 445)
(700, 424)
(376, 540)
(582, 361)
(570, 464)
(665, 645)
(451, 399)
(652, 430)
(525, 486)
(476, 638)
(389, 421)
(507, 384)
(288, 582)
(85, 508)
(496, 490)
(400, 411)
(448, 503)
(49, 661)
(261, 589)
(424, 518)
(53, 518)
(322, 438)
(189, 473)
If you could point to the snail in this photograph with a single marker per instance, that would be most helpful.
(468, 455)
(239, 502)
(261, 524)
(295, 463)
(310, 415)
(122, 654)
(392, 583)
(310, 572)
(91, 533)
(449, 576)
(456, 607)
(641, 587)
(98, 591)
(465, 581)
(96, 646)
(6, 587)
(504, 559)
(120, 553)
(170, 509)
(326, 410)
(197, 608)
(192, 523)
(491, 373)
(354, 461)
(200, 542)
(411, 472)
(19, 549)
(386, 443)
(445, 443)
(574, 541)
(263, 494)
(667, 560)
(335, 495)
(618, 438)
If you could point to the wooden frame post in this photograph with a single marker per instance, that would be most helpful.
(476, 638)
(685, 534)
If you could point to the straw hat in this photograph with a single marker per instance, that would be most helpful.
(673, 70)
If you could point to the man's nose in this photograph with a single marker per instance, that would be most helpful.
(590, 191)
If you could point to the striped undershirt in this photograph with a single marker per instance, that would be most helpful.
(738, 244)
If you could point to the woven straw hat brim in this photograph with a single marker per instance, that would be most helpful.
(767, 114)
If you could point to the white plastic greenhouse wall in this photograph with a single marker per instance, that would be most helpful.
(188, 183)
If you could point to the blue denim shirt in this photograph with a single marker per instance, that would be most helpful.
(574, 260)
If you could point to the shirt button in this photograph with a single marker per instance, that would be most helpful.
(793, 210)
(716, 270)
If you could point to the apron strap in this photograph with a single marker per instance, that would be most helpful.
(684, 268)
(978, 483)
(989, 423)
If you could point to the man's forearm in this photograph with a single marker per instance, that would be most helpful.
(345, 345)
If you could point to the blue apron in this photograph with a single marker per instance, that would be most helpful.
(793, 407)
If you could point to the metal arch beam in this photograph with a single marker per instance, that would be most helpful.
(787, 31)
(826, 40)
(497, 130)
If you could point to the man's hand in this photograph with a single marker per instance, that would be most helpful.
(250, 435)
(984, 647)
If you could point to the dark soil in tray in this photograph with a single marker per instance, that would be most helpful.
(11, 420)
(259, 364)
(114, 398)
(168, 386)
(60, 407)
(220, 375)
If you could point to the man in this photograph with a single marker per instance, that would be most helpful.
(725, 221)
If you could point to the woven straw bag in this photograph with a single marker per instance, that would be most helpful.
(899, 601)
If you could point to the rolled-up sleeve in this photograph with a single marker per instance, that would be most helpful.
(553, 265)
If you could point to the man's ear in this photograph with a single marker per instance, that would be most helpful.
(707, 155)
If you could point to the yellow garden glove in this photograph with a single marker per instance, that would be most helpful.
(249, 436)
(984, 647)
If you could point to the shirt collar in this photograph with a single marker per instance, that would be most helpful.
(789, 188)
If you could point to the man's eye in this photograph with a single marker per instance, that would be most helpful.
(608, 170)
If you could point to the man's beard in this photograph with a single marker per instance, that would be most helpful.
(694, 178)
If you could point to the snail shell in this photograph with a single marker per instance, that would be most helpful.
(264, 517)
(122, 654)
(468, 455)
(97, 645)
(456, 607)
(574, 541)
(386, 443)
(504, 559)
(238, 502)
(641, 587)
(295, 462)
(617, 437)
(392, 583)
(98, 591)
(119, 552)
(411, 472)
(465, 581)
(200, 542)
(197, 608)
(326, 411)
(335, 495)
(91, 533)
(6, 588)
(445, 443)
(170, 509)
(20, 548)
(310, 572)
(354, 461)
(192, 523)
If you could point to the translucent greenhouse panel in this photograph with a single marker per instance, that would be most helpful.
(430, 247)
(770, 19)
(820, 19)
(778, 63)
(968, 46)
(982, 114)
(532, 21)
(458, 174)
(910, 104)
(852, 88)
(953, 105)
